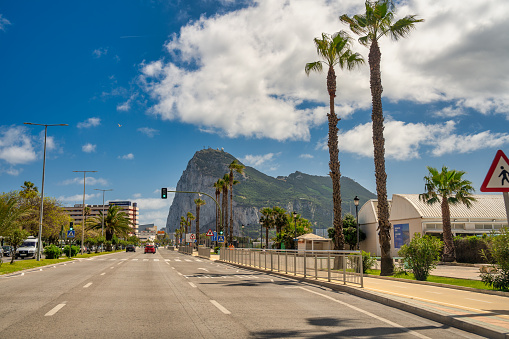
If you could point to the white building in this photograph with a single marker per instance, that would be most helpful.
(409, 215)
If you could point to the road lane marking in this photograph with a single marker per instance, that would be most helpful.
(112, 267)
(178, 260)
(156, 259)
(220, 307)
(135, 259)
(192, 285)
(87, 285)
(179, 273)
(103, 273)
(54, 310)
(172, 268)
(145, 259)
(166, 259)
(206, 270)
(483, 301)
(387, 321)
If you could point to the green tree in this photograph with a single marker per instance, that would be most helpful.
(218, 186)
(349, 231)
(15, 237)
(375, 23)
(334, 50)
(189, 218)
(225, 181)
(498, 244)
(447, 188)
(116, 222)
(421, 254)
(10, 213)
(267, 221)
(199, 203)
(239, 168)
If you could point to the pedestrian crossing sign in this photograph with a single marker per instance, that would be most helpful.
(220, 238)
(497, 179)
(70, 234)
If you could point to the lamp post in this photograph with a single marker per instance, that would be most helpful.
(295, 233)
(102, 224)
(242, 234)
(83, 213)
(356, 202)
(39, 238)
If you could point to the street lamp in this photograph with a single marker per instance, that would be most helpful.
(39, 240)
(83, 214)
(102, 224)
(295, 233)
(356, 203)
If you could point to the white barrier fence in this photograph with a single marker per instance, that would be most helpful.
(341, 266)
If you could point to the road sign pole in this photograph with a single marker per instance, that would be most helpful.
(506, 202)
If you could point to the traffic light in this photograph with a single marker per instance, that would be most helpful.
(164, 193)
(221, 232)
(71, 227)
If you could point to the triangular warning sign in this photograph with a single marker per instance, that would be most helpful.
(497, 179)
(192, 237)
(209, 233)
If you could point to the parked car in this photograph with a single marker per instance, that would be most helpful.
(150, 249)
(7, 250)
(27, 249)
(130, 248)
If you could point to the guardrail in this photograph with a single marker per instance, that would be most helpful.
(204, 251)
(186, 249)
(342, 266)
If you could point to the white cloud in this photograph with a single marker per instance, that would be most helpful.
(88, 148)
(247, 75)
(16, 145)
(90, 122)
(149, 132)
(259, 160)
(90, 181)
(306, 156)
(449, 112)
(100, 52)
(77, 198)
(129, 156)
(3, 22)
(126, 106)
(407, 141)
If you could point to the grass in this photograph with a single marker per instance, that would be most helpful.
(20, 265)
(441, 280)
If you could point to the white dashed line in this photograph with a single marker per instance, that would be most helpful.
(220, 307)
(54, 310)
(87, 285)
(192, 285)
(103, 273)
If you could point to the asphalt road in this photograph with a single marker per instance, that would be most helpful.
(177, 296)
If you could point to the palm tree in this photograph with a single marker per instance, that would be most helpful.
(267, 221)
(225, 180)
(239, 168)
(199, 203)
(375, 23)
(447, 188)
(218, 186)
(10, 213)
(334, 51)
(116, 222)
(189, 218)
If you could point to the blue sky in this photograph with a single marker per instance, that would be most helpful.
(145, 84)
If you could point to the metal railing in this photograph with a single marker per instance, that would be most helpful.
(341, 266)
(204, 251)
(186, 249)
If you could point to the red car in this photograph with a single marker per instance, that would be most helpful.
(150, 249)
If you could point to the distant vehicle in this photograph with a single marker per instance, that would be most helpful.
(150, 249)
(130, 248)
(27, 249)
(7, 251)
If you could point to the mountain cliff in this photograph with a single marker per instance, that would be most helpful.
(309, 195)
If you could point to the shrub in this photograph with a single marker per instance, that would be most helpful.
(367, 261)
(74, 250)
(498, 244)
(421, 255)
(470, 249)
(52, 252)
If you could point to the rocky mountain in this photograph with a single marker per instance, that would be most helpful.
(309, 195)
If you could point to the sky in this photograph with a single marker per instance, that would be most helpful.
(144, 84)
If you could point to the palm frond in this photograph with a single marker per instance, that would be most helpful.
(313, 66)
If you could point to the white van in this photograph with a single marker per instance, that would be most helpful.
(28, 248)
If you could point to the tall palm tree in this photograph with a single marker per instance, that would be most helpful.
(183, 227)
(116, 222)
(267, 221)
(199, 202)
(189, 218)
(334, 50)
(376, 22)
(447, 188)
(10, 213)
(239, 168)
(224, 188)
(218, 187)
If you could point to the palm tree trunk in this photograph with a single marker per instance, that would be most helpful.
(266, 237)
(197, 225)
(231, 206)
(384, 227)
(335, 173)
(225, 214)
(449, 251)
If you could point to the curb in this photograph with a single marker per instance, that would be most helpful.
(434, 315)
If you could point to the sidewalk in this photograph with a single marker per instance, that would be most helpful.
(469, 310)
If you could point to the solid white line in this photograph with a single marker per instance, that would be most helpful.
(368, 314)
(220, 307)
(87, 285)
(192, 285)
(54, 310)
